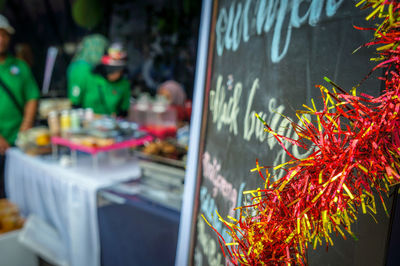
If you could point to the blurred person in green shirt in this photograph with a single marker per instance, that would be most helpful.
(88, 55)
(102, 88)
(18, 96)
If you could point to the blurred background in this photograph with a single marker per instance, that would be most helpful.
(160, 37)
(137, 155)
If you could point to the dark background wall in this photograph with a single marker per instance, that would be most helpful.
(144, 27)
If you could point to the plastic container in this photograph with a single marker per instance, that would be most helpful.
(75, 120)
(161, 120)
(65, 121)
(162, 116)
(139, 110)
(81, 114)
(88, 117)
(54, 123)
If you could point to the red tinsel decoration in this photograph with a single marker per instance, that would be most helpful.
(356, 151)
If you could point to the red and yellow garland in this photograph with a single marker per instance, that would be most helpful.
(356, 144)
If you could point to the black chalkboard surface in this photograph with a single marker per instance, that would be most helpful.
(267, 57)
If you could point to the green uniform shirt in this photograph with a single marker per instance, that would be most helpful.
(17, 76)
(91, 90)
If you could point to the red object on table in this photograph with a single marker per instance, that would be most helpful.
(160, 132)
(93, 150)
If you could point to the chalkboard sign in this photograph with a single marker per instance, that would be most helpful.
(265, 57)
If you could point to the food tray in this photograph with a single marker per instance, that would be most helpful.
(94, 150)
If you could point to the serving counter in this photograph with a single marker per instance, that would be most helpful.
(65, 198)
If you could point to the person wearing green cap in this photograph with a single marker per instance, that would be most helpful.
(103, 88)
(18, 96)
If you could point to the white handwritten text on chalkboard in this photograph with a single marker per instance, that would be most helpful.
(209, 209)
(225, 113)
(232, 26)
(209, 246)
(220, 184)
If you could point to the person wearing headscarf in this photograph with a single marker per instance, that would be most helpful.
(104, 89)
(173, 91)
(176, 96)
(89, 53)
(91, 49)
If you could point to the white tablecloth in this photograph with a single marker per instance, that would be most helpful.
(65, 198)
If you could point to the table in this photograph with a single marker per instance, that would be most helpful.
(65, 197)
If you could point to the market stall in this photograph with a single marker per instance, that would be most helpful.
(78, 154)
(56, 171)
